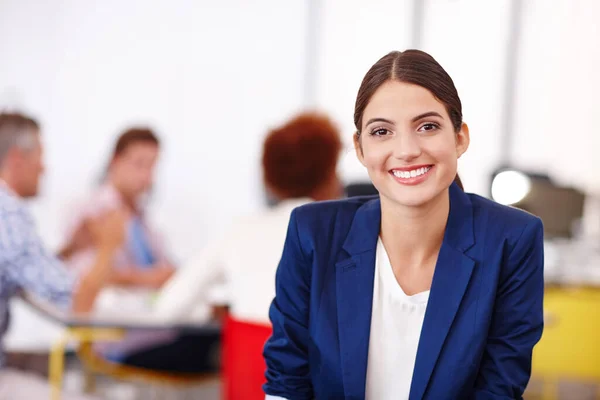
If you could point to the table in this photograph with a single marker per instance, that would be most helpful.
(85, 328)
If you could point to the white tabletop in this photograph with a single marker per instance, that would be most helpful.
(36, 325)
(29, 331)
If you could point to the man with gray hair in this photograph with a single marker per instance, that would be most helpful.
(20, 153)
(25, 264)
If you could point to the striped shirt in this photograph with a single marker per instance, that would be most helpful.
(25, 264)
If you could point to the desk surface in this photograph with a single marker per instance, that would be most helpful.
(29, 331)
(115, 320)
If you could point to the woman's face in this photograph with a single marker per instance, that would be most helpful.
(133, 169)
(408, 144)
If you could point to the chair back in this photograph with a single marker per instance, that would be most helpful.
(243, 364)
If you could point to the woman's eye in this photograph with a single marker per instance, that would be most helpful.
(379, 132)
(429, 127)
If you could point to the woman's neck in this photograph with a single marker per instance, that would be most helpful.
(414, 234)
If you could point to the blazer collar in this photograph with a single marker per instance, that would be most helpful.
(459, 228)
(354, 286)
(365, 227)
(364, 230)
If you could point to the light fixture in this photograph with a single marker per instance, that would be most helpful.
(559, 207)
(510, 186)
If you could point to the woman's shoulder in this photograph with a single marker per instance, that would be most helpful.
(98, 201)
(89, 205)
(319, 212)
(509, 220)
(326, 224)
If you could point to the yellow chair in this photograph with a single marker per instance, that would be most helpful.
(569, 350)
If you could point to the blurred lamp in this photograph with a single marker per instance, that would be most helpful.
(510, 187)
(559, 207)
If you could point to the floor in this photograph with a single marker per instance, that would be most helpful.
(110, 389)
(113, 390)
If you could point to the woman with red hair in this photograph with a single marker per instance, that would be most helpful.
(299, 162)
(300, 159)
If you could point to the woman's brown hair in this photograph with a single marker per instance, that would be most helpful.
(418, 68)
(134, 135)
(126, 139)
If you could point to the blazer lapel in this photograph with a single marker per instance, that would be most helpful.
(450, 280)
(354, 285)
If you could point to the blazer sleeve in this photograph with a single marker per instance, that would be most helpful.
(286, 351)
(517, 322)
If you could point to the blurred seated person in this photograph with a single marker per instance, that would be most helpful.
(299, 165)
(26, 265)
(140, 266)
(141, 262)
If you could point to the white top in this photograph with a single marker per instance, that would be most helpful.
(244, 260)
(396, 325)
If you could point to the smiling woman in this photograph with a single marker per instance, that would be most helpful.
(422, 292)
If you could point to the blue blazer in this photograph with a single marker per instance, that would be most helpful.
(483, 318)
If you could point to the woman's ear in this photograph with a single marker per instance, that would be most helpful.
(462, 140)
(358, 148)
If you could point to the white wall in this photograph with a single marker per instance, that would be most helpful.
(468, 38)
(209, 76)
(556, 128)
(354, 37)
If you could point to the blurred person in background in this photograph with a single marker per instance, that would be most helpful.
(25, 263)
(422, 292)
(299, 166)
(141, 265)
(142, 261)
